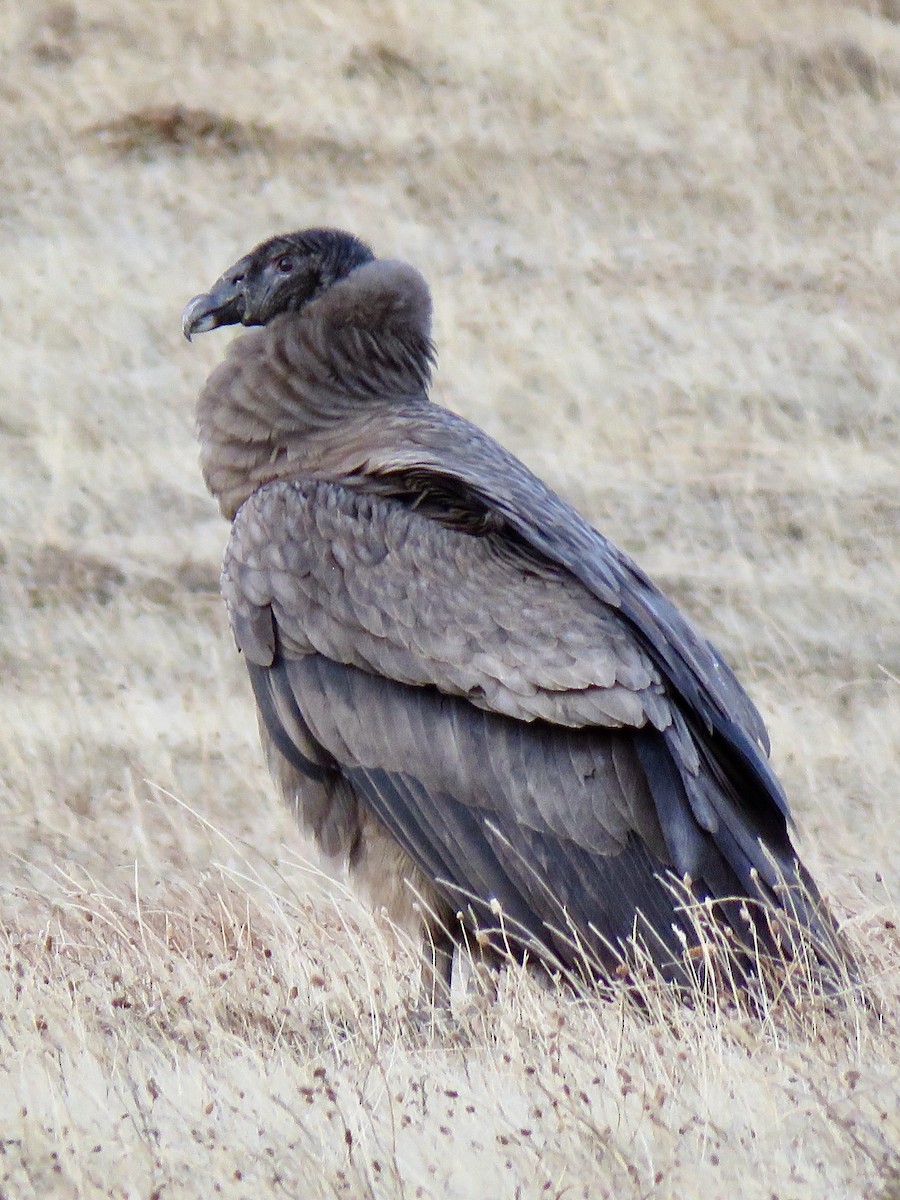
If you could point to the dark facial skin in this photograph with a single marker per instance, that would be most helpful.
(280, 275)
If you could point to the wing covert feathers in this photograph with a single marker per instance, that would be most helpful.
(374, 585)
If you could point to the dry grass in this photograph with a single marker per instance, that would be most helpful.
(664, 243)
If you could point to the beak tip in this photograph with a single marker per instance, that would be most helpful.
(209, 310)
(196, 315)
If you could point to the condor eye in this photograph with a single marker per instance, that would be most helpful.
(285, 264)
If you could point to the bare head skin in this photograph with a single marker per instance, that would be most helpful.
(476, 704)
(280, 275)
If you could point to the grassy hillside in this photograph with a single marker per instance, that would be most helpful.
(664, 246)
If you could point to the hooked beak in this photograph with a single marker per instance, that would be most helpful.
(223, 305)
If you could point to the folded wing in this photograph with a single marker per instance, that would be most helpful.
(504, 724)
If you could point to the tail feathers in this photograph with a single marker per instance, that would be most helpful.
(728, 837)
